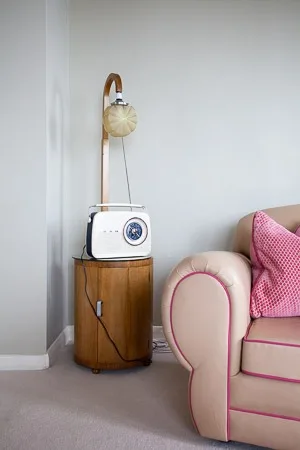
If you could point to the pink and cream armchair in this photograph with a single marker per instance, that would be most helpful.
(244, 374)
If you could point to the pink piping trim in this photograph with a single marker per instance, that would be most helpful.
(228, 343)
(257, 259)
(253, 242)
(270, 377)
(260, 341)
(258, 413)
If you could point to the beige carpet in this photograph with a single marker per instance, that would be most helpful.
(69, 408)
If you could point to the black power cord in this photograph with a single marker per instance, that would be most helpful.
(126, 171)
(143, 361)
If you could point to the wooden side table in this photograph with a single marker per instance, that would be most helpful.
(120, 293)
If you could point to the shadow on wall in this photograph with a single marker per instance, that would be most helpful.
(57, 282)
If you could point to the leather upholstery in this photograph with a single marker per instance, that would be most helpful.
(205, 314)
(287, 216)
(272, 348)
(264, 396)
(265, 430)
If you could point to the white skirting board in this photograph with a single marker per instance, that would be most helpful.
(38, 362)
(24, 362)
(41, 362)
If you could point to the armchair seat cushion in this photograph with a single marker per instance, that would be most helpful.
(271, 349)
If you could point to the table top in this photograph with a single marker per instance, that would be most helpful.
(113, 263)
(88, 258)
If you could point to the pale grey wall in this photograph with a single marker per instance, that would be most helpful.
(57, 120)
(216, 88)
(23, 237)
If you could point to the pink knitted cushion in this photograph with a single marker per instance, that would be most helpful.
(275, 257)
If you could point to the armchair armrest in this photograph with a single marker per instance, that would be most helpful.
(205, 314)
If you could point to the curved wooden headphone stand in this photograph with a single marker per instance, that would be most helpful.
(112, 77)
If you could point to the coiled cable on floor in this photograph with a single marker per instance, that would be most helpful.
(161, 346)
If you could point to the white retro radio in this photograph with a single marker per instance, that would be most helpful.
(118, 234)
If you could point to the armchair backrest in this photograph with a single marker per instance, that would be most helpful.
(287, 216)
